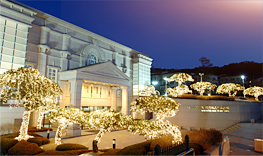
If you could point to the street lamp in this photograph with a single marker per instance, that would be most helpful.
(243, 78)
(154, 82)
(166, 79)
(201, 74)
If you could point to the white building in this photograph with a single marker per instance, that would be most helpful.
(93, 72)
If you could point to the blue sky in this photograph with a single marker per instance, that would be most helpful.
(174, 33)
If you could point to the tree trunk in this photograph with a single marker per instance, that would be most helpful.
(62, 125)
(39, 120)
(100, 134)
(23, 133)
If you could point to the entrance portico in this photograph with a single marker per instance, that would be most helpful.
(96, 86)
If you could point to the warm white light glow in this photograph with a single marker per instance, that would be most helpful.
(180, 78)
(202, 86)
(254, 91)
(229, 88)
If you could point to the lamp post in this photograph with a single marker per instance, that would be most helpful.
(243, 79)
(154, 82)
(166, 79)
(201, 74)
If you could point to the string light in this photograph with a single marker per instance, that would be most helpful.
(254, 91)
(31, 89)
(178, 91)
(149, 90)
(162, 107)
(202, 86)
(228, 88)
(180, 78)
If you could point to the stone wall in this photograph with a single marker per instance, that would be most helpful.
(216, 114)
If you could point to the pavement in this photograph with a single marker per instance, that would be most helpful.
(241, 140)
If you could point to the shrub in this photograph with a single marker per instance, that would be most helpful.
(73, 152)
(25, 148)
(39, 140)
(163, 141)
(6, 144)
(136, 149)
(69, 146)
(204, 138)
(111, 152)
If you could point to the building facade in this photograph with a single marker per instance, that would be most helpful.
(93, 71)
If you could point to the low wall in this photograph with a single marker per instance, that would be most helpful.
(194, 113)
(222, 148)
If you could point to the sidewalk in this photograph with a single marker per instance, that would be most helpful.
(242, 139)
(123, 139)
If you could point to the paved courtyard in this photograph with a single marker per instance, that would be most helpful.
(241, 140)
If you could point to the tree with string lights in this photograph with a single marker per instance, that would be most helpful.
(180, 78)
(178, 91)
(202, 86)
(162, 107)
(254, 91)
(149, 90)
(229, 88)
(28, 87)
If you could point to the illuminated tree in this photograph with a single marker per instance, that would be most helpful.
(178, 91)
(180, 78)
(254, 91)
(64, 116)
(44, 109)
(229, 88)
(162, 107)
(149, 90)
(202, 86)
(28, 87)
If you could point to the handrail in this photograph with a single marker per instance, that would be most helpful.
(191, 150)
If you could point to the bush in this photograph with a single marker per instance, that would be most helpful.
(39, 140)
(111, 152)
(6, 144)
(163, 141)
(136, 149)
(54, 152)
(204, 138)
(25, 148)
(69, 146)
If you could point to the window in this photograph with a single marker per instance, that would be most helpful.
(52, 74)
(92, 59)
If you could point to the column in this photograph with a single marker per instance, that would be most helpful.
(44, 35)
(64, 60)
(125, 100)
(42, 58)
(65, 42)
(113, 92)
(75, 92)
(75, 100)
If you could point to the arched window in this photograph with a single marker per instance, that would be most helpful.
(92, 59)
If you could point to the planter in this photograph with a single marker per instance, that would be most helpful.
(222, 148)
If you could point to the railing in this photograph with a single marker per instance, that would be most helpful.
(182, 149)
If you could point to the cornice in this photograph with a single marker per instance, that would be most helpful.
(18, 7)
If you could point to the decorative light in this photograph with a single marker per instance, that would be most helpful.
(28, 87)
(254, 91)
(178, 91)
(149, 90)
(180, 78)
(154, 82)
(229, 88)
(162, 107)
(202, 86)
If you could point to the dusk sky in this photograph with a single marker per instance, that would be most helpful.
(174, 33)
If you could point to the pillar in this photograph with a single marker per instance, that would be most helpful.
(42, 58)
(75, 100)
(65, 41)
(125, 100)
(113, 96)
(75, 93)
(64, 60)
(44, 35)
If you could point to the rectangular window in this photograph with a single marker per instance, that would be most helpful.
(52, 74)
